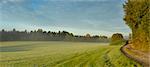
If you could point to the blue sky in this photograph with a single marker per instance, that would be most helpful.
(101, 17)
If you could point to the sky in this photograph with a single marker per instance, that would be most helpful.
(96, 17)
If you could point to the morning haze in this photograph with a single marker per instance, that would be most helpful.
(74, 33)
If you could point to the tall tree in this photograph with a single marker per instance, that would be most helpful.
(137, 17)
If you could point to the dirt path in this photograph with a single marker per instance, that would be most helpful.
(139, 56)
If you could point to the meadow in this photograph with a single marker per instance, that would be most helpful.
(62, 54)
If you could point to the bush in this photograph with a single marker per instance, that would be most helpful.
(117, 39)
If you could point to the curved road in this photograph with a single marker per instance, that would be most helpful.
(143, 60)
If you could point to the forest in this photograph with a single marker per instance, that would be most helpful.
(40, 35)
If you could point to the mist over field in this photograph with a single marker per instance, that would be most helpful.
(61, 54)
(74, 33)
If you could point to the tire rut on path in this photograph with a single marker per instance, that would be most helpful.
(80, 56)
(107, 59)
(88, 58)
(92, 59)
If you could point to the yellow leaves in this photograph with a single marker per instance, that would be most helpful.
(137, 17)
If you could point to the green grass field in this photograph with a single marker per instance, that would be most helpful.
(62, 54)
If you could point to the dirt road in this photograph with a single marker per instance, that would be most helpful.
(138, 56)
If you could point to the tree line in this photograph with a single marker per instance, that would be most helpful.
(40, 35)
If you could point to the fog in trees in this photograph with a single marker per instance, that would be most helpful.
(40, 35)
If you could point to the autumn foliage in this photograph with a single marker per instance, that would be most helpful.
(137, 17)
(117, 39)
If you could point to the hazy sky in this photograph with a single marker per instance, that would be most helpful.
(101, 17)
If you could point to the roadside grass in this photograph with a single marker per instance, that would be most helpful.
(63, 54)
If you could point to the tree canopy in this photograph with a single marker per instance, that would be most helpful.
(116, 36)
(137, 17)
(117, 39)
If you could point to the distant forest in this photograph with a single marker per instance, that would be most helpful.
(40, 35)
